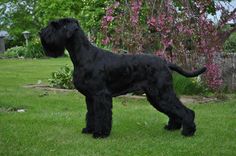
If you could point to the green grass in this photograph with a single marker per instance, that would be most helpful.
(53, 121)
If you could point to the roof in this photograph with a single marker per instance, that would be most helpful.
(3, 33)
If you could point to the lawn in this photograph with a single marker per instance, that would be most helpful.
(53, 121)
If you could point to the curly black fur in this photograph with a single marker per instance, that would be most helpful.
(100, 75)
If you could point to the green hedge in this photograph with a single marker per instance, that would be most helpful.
(62, 78)
(189, 86)
(230, 44)
(33, 50)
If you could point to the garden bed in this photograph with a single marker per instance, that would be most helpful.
(186, 99)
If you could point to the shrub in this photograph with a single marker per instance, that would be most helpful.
(62, 78)
(189, 86)
(168, 28)
(33, 50)
(15, 52)
(230, 44)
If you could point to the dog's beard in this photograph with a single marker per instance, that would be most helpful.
(53, 49)
(54, 54)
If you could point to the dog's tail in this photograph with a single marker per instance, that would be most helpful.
(178, 69)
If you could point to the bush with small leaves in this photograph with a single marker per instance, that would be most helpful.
(33, 50)
(15, 52)
(62, 78)
(230, 44)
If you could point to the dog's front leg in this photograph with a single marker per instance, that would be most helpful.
(103, 114)
(89, 116)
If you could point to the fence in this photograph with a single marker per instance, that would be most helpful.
(227, 63)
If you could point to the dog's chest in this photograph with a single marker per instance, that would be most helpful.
(85, 82)
(80, 83)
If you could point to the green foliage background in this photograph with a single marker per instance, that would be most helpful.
(230, 44)
(17, 16)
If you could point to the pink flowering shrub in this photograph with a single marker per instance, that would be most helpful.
(213, 76)
(106, 20)
(135, 10)
(179, 31)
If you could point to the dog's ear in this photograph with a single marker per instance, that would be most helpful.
(71, 28)
(55, 24)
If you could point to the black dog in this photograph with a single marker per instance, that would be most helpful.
(100, 75)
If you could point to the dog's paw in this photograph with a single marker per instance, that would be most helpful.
(188, 131)
(100, 135)
(87, 131)
(172, 127)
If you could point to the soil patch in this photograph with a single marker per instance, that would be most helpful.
(48, 88)
(184, 99)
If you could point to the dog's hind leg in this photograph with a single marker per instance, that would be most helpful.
(166, 102)
(89, 116)
(103, 114)
(153, 97)
(174, 123)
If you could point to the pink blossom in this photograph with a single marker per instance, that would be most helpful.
(161, 54)
(109, 11)
(161, 20)
(188, 31)
(109, 18)
(213, 76)
(166, 42)
(135, 9)
(180, 28)
(106, 41)
(152, 22)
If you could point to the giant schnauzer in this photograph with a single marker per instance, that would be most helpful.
(100, 75)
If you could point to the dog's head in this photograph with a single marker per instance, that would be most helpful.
(55, 36)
